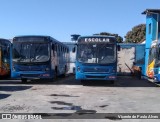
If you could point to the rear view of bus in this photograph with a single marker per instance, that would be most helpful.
(31, 58)
(96, 58)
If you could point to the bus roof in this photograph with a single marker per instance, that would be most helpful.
(97, 36)
(30, 36)
(43, 36)
(4, 40)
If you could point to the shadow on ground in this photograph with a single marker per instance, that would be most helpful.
(3, 96)
(122, 81)
(14, 88)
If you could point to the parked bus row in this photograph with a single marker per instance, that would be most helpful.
(89, 58)
(43, 57)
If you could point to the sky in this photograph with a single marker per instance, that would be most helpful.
(61, 18)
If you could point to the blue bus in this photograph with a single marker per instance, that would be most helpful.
(38, 57)
(96, 58)
(5, 46)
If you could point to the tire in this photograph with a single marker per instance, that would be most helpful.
(24, 80)
(65, 72)
(55, 74)
(86, 82)
(51, 80)
(83, 81)
(139, 74)
(112, 81)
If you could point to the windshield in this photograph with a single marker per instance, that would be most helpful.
(30, 52)
(101, 53)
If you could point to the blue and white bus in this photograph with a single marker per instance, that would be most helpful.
(96, 58)
(38, 57)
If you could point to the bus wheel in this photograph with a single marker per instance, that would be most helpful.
(56, 74)
(52, 79)
(65, 72)
(83, 81)
(24, 80)
(112, 81)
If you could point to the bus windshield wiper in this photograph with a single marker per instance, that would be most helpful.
(20, 59)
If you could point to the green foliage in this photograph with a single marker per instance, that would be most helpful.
(118, 38)
(136, 35)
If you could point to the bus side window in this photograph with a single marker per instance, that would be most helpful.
(53, 47)
(58, 50)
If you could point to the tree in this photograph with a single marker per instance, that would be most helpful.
(118, 38)
(136, 35)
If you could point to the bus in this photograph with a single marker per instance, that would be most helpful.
(38, 57)
(153, 67)
(72, 58)
(5, 57)
(96, 58)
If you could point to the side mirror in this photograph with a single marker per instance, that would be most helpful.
(74, 37)
(118, 47)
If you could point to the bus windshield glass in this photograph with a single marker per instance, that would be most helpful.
(98, 52)
(30, 51)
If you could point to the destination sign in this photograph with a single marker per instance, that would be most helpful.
(96, 40)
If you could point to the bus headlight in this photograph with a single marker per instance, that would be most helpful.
(5, 60)
(113, 70)
(47, 69)
(13, 68)
(78, 69)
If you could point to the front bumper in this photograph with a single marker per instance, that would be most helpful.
(31, 75)
(95, 76)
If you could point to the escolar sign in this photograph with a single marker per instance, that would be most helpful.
(96, 39)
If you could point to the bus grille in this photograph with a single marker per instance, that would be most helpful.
(100, 70)
(30, 75)
(28, 68)
(89, 76)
